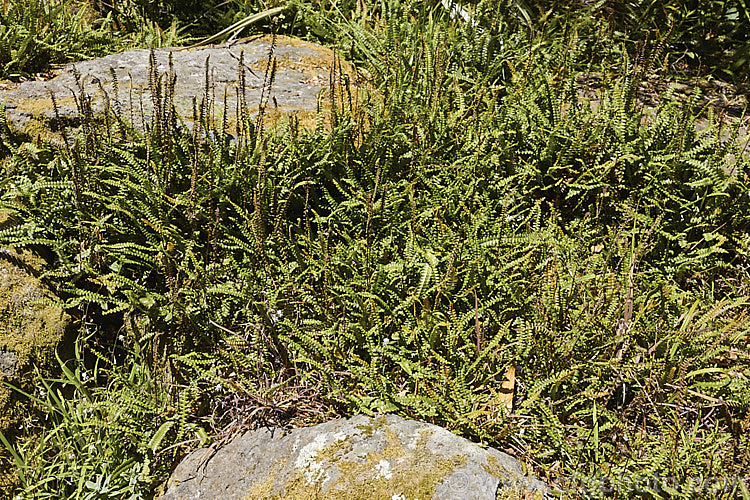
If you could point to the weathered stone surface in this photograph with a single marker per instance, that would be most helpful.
(385, 457)
(8, 364)
(302, 70)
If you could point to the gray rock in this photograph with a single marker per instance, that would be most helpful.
(303, 69)
(8, 364)
(385, 457)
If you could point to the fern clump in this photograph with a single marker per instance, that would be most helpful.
(473, 244)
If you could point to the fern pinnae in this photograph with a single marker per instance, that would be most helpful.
(58, 119)
(268, 79)
(116, 91)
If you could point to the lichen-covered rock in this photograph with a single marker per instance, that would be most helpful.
(385, 457)
(30, 332)
(303, 69)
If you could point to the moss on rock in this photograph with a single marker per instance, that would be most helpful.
(30, 331)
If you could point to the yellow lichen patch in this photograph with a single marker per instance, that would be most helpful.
(323, 57)
(369, 429)
(38, 126)
(279, 118)
(350, 110)
(496, 469)
(509, 493)
(514, 491)
(264, 489)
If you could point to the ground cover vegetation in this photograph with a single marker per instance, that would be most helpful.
(463, 230)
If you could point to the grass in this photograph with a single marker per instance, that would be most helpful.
(473, 225)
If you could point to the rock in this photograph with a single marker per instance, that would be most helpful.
(30, 333)
(385, 457)
(8, 364)
(727, 102)
(29, 330)
(303, 69)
